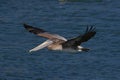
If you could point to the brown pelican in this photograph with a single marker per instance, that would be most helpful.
(57, 42)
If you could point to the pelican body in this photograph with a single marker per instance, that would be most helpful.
(57, 42)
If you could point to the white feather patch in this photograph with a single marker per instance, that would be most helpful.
(43, 45)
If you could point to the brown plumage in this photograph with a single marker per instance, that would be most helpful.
(57, 42)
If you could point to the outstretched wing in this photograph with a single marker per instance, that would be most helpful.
(43, 33)
(90, 32)
(43, 45)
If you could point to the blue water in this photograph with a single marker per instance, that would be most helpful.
(70, 19)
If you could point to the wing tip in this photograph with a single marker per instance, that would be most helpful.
(90, 29)
(33, 29)
(26, 25)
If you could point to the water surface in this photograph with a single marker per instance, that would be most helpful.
(65, 18)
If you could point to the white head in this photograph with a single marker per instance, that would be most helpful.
(80, 48)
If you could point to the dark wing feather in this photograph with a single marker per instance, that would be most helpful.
(43, 33)
(33, 29)
(89, 33)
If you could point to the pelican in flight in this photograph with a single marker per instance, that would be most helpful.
(57, 42)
